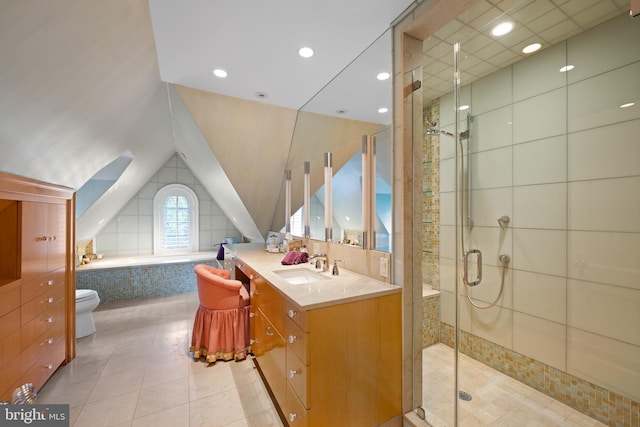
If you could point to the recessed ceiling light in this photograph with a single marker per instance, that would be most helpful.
(260, 95)
(566, 68)
(502, 29)
(628, 104)
(219, 72)
(531, 48)
(464, 107)
(341, 111)
(383, 110)
(383, 76)
(305, 52)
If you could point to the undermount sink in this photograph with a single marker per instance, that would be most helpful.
(300, 276)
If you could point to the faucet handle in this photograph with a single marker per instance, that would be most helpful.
(335, 270)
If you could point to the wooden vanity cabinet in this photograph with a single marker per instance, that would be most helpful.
(37, 288)
(335, 365)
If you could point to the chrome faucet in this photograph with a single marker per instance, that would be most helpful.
(321, 261)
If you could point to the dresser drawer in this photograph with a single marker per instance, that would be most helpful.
(40, 285)
(40, 303)
(295, 412)
(299, 316)
(296, 340)
(297, 377)
(41, 345)
(9, 298)
(53, 315)
(46, 365)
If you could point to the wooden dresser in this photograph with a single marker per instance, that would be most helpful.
(37, 281)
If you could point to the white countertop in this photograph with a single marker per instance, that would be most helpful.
(347, 286)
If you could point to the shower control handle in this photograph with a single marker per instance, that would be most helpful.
(465, 275)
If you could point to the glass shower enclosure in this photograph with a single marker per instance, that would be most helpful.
(531, 218)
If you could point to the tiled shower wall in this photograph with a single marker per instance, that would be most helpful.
(130, 232)
(557, 154)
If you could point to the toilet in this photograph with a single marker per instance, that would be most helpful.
(86, 301)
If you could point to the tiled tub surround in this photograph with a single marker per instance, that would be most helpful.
(556, 153)
(136, 278)
(130, 232)
(430, 316)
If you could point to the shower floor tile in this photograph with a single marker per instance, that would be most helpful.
(496, 399)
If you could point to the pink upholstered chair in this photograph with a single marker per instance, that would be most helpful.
(221, 325)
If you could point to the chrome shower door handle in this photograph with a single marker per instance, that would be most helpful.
(465, 276)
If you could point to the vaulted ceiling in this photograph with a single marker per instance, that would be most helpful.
(85, 82)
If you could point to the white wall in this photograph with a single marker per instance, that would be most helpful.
(130, 232)
(556, 153)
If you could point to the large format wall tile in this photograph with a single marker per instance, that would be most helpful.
(604, 48)
(605, 152)
(612, 364)
(492, 169)
(488, 205)
(540, 206)
(540, 162)
(540, 295)
(604, 257)
(591, 202)
(540, 339)
(542, 251)
(539, 73)
(606, 310)
(610, 94)
(491, 92)
(490, 130)
(541, 116)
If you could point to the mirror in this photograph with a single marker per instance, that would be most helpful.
(335, 120)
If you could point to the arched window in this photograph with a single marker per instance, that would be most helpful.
(175, 212)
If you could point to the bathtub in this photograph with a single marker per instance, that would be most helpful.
(142, 277)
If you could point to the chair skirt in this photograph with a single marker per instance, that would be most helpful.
(221, 334)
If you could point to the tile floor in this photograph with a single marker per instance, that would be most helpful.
(497, 399)
(136, 371)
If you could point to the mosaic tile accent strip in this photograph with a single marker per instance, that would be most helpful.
(430, 320)
(431, 199)
(597, 402)
(140, 282)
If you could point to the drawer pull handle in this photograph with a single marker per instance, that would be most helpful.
(292, 416)
(50, 282)
(268, 331)
(251, 342)
(292, 373)
(48, 366)
(50, 299)
(292, 339)
(252, 314)
(253, 292)
(292, 313)
(49, 319)
(41, 238)
(49, 341)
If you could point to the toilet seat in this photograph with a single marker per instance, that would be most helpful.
(85, 294)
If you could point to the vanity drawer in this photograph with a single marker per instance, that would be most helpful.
(272, 304)
(297, 315)
(297, 377)
(296, 340)
(295, 412)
